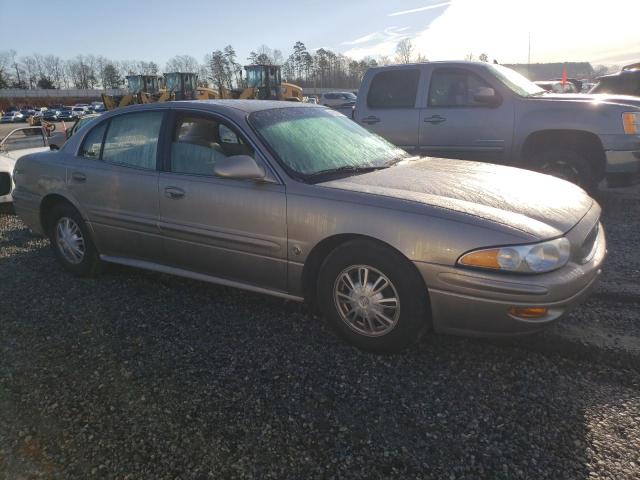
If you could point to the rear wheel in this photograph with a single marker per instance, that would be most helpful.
(570, 165)
(71, 242)
(373, 297)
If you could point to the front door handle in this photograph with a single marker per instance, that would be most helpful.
(435, 119)
(370, 120)
(78, 177)
(174, 193)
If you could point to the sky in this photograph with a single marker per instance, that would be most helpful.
(599, 31)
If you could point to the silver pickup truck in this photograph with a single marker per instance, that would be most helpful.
(485, 112)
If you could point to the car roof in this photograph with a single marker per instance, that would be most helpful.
(247, 106)
(234, 107)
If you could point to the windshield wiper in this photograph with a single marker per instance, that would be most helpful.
(344, 169)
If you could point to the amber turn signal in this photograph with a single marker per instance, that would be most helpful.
(481, 258)
(528, 312)
(630, 123)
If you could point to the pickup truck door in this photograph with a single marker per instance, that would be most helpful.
(455, 124)
(390, 108)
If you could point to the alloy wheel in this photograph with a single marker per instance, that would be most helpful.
(69, 240)
(366, 300)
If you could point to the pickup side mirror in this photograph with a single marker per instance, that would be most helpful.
(487, 96)
(239, 167)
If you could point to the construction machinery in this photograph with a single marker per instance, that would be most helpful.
(262, 82)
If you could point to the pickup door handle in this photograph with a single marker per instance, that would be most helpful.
(78, 177)
(435, 119)
(174, 193)
(370, 120)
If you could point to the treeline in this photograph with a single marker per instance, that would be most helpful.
(320, 68)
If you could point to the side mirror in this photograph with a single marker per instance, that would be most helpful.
(487, 96)
(239, 167)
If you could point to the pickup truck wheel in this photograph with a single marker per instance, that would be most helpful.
(71, 242)
(575, 167)
(373, 297)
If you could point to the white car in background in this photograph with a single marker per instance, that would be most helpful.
(19, 142)
(79, 111)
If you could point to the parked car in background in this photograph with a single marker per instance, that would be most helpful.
(337, 99)
(26, 114)
(480, 111)
(625, 82)
(58, 139)
(17, 143)
(299, 202)
(312, 100)
(11, 117)
(50, 115)
(556, 86)
(65, 115)
(78, 111)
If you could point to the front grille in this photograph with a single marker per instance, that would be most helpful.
(590, 244)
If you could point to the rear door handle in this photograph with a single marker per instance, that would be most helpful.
(174, 193)
(435, 119)
(370, 120)
(78, 177)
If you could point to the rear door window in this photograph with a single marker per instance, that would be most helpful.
(394, 89)
(132, 140)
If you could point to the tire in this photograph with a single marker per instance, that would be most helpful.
(388, 328)
(71, 242)
(570, 165)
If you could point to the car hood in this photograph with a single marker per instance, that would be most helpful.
(8, 159)
(540, 205)
(592, 97)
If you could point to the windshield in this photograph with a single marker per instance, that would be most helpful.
(309, 140)
(517, 83)
(254, 77)
(349, 96)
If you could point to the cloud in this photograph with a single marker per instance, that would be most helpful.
(364, 39)
(420, 9)
(386, 44)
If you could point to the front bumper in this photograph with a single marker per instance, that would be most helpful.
(472, 302)
(623, 162)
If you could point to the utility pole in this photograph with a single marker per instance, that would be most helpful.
(529, 58)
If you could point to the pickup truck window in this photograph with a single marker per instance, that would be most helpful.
(394, 89)
(455, 88)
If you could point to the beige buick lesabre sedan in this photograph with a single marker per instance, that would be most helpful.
(300, 202)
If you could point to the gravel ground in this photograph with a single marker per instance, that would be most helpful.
(138, 375)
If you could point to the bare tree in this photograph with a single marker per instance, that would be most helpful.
(30, 68)
(182, 63)
(404, 51)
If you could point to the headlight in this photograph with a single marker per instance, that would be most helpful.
(631, 123)
(535, 258)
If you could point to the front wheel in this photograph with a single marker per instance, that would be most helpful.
(569, 165)
(373, 297)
